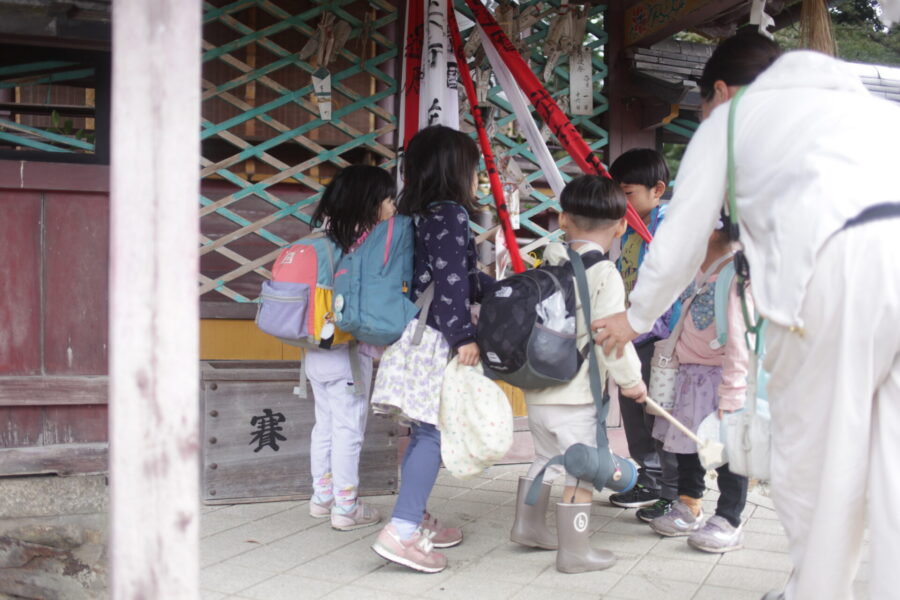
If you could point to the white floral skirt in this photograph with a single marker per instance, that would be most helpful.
(408, 384)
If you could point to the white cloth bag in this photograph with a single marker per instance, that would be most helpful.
(747, 434)
(663, 369)
(476, 421)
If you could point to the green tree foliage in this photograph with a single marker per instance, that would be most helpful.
(858, 33)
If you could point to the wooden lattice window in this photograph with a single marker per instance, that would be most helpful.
(267, 153)
(54, 104)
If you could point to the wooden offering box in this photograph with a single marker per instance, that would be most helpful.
(255, 436)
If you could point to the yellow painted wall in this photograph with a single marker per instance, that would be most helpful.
(240, 339)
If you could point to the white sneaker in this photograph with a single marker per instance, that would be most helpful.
(678, 521)
(363, 516)
(718, 536)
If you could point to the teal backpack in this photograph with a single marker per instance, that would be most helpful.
(372, 284)
(726, 276)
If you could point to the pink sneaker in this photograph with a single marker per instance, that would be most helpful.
(363, 516)
(320, 511)
(444, 537)
(416, 553)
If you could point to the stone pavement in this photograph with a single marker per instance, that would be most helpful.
(276, 551)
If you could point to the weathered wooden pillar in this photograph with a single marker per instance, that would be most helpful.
(624, 114)
(153, 299)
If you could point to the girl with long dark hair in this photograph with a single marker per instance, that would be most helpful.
(440, 179)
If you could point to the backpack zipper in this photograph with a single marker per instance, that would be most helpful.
(283, 298)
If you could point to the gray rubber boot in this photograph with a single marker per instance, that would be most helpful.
(530, 527)
(575, 554)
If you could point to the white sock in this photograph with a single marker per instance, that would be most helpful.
(405, 529)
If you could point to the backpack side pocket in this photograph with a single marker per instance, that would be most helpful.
(283, 309)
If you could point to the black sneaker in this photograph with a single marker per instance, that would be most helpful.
(637, 497)
(657, 509)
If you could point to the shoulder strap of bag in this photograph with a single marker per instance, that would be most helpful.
(723, 292)
(424, 304)
(669, 347)
(601, 403)
(741, 266)
(588, 260)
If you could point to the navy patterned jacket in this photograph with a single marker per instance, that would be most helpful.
(445, 253)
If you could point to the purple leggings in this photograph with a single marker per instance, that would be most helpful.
(418, 472)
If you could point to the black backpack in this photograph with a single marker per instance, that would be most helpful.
(516, 344)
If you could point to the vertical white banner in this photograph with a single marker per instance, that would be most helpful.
(439, 100)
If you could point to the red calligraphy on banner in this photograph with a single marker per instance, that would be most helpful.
(547, 108)
(489, 163)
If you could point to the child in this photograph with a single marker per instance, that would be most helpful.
(593, 211)
(643, 175)
(440, 178)
(710, 377)
(357, 199)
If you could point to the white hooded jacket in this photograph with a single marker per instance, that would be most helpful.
(813, 149)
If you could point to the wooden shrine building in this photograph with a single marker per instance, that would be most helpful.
(138, 138)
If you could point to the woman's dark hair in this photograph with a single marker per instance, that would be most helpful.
(438, 165)
(593, 201)
(352, 203)
(738, 60)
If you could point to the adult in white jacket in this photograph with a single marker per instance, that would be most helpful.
(814, 151)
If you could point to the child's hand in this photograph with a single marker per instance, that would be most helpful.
(468, 354)
(638, 392)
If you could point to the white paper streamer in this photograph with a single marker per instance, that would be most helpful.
(581, 85)
(526, 122)
(322, 87)
(513, 204)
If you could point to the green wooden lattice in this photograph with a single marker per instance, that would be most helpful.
(384, 32)
(27, 76)
(347, 102)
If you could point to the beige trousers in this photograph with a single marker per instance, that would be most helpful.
(555, 427)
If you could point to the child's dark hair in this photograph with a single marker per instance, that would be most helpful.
(593, 202)
(738, 60)
(641, 166)
(438, 165)
(352, 203)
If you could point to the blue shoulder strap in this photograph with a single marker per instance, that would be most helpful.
(723, 289)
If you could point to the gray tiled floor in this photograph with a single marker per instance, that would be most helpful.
(276, 551)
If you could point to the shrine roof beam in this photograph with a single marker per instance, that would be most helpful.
(649, 21)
